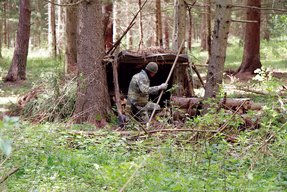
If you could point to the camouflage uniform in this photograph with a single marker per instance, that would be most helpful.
(138, 95)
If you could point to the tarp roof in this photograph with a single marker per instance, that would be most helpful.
(160, 58)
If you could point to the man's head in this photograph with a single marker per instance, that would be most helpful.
(152, 67)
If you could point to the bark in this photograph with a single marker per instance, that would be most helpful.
(1, 22)
(251, 54)
(116, 21)
(71, 39)
(129, 36)
(140, 26)
(228, 103)
(189, 43)
(159, 38)
(178, 38)
(266, 25)
(179, 23)
(208, 23)
(17, 69)
(5, 23)
(203, 34)
(60, 27)
(218, 48)
(166, 32)
(93, 102)
(52, 29)
(38, 23)
(108, 25)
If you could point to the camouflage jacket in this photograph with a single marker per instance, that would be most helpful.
(139, 89)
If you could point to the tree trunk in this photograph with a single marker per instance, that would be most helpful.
(116, 21)
(108, 25)
(251, 54)
(52, 29)
(38, 23)
(159, 39)
(5, 41)
(140, 26)
(266, 25)
(218, 48)
(60, 27)
(208, 23)
(166, 32)
(71, 39)
(189, 43)
(203, 34)
(93, 101)
(1, 28)
(178, 38)
(127, 22)
(17, 69)
(179, 23)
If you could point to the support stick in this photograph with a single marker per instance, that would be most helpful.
(169, 75)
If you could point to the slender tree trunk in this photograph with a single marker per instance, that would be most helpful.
(108, 25)
(93, 101)
(52, 29)
(116, 21)
(71, 39)
(179, 37)
(17, 69)
(166, 32)
(266, 30)
(208, 21)
(38, 23)
(251, 54)
(159, 38)
(218, 48)
(179, 23)
(203, 34)
(1, 28)
(60, 28)
(5, 23)
(140, 26)
(127, 22)
(189, 43)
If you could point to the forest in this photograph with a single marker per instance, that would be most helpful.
(66, 68)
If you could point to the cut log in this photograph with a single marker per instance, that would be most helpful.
(229, 103)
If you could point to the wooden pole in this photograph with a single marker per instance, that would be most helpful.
(169, 75)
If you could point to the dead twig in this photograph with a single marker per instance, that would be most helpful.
(223, 127)
(11, 172)
(116, 44)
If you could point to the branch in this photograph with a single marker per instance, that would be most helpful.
(243, 21)
(181, 130)
(65, 5)
(113, 48)
(259, 8)
(223, 127)
(11, 172)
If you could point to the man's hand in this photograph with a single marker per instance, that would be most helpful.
(163, 86)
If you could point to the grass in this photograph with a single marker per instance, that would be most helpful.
(52, 159)
(273, 54)
(39, 66)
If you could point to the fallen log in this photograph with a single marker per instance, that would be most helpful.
(230, 103)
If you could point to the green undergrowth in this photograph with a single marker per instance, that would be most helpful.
(54, 157)
(39, 65)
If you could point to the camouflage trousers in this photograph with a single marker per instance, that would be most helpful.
(141, 114)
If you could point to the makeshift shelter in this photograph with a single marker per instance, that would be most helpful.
(130, 63)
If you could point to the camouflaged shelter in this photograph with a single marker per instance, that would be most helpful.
(130, 63)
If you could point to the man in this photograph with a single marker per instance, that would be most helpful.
(138, 104)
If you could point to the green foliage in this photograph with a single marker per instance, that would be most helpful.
(278, 25)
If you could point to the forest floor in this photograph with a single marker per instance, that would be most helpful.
(58, 156)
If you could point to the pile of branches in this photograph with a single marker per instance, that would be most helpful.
(54, 101)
